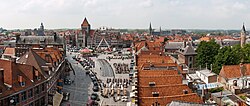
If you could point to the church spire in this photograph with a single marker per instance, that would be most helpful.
(160, 30)
(150, 29)
(243, 28)
(243, 36)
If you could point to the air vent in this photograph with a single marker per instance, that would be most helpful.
(151, 84)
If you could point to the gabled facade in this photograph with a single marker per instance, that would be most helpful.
(235, 77)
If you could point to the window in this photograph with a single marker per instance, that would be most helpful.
(37, 90)
(16, 99)
(42, 87)
(22, 84)
(190, 58)
(235, 82)
(43, 101)
(30, 93)
(23, 95)
(155, 94)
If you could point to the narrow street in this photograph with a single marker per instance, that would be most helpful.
(79, 89)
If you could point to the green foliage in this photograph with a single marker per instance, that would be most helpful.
(206, 53)
(165, 40)
(213, 90)
(227, 56)
(231, 56)
(243, 97)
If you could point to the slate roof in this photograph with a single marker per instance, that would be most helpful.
(174, 45)
(33, 59)
(40, 40)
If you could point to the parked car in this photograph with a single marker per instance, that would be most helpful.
(87, 72)
(124, 98)
(66, 96)
(94, 96)
(67, 81)
(95, 88)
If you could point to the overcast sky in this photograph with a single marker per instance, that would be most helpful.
(191, 14)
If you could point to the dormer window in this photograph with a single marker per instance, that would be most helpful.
(22, 84)
(151, 84)
(155, 94)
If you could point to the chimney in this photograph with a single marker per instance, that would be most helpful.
(36, 73)
(7, 73)
(242, 69)
(20, 78)
(55, 36)
(184, 44)
(17, 38)
(13, 59)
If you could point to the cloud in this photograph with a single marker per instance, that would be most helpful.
(147, 3)
(125, 13)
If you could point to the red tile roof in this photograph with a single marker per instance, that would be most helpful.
(234, 71)
(148, 101)
(164, 90)
(160, 80)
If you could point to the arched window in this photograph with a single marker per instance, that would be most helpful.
(235, 82)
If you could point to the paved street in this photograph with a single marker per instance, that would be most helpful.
(105, 68)
(79, 90)
(106, 72)
(82, 86)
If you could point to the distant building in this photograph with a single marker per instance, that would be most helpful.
(235, 77)
(40, 31)
(23, 43)
(84, 36)
(187, 54)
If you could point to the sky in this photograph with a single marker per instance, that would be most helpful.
(131, 14)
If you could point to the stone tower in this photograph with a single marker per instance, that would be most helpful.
(85, 26)
(243, 36)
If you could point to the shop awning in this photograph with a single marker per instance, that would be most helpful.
(57, 99)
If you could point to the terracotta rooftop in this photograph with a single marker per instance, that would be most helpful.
(160, 80)
(157, 72)
(164, 90)
(234, 71)
(148, 101)
(13, 73)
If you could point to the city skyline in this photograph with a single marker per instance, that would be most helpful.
(169, 14)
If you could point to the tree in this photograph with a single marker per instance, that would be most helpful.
(206, 53)
(228, 56)
(246, 51)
